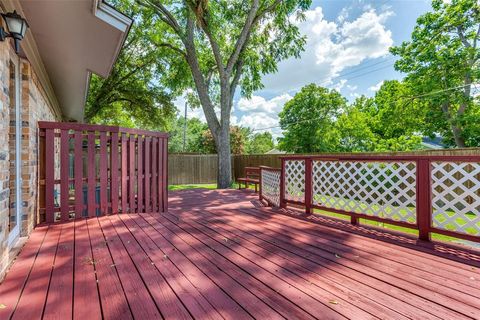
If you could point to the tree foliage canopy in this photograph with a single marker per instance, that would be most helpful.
(133, 95)
(442, 63)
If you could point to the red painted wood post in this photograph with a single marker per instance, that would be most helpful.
(140, 175)
(283, 203)
(49, 175)
(424, 199)
(124, 191)
(165, 174)
(260, 184)
(114, 172)
(64, 174)
(160, 175)
(154, 175)
(147, 174)
(131, 173)
(103, 173)
(308, 185)
(91, 178)
(78, 174)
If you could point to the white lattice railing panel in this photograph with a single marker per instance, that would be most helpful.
(295, 180)
(456, 197)
(382, 189)
(271, 186)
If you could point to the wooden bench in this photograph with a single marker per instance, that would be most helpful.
(252, 176)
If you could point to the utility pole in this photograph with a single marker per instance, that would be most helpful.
(185, 127)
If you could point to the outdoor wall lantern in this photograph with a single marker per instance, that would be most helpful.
(16, 25)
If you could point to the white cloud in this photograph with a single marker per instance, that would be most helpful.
(340, 84)
(261, 113)
(331, 48)
(376, 87)
(257, 103)
(261, 120)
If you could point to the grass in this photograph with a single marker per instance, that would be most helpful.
(192, 186)
(414, 232)
(202, 186)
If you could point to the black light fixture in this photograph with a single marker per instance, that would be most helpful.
(16, 25)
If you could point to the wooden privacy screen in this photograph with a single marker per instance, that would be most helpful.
(92, 170)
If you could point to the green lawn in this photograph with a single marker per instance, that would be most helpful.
(202, 186)
(435, 236)
(192, 186)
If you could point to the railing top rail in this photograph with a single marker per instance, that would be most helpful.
(99, 128)
(270, 168)
(337, 157)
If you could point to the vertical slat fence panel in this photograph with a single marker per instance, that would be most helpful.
(78, 174)
(160, 175)
(49, 175)
(124, 174)
(114, 172)
(131, 173)
(125, 170)
(147, 174)
(140, 173)
(154, 174)
(164, 184)
(64, 174)
(103, 173)
(91, 181)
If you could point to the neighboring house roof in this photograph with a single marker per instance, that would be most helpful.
(275, 151)
(73, 39)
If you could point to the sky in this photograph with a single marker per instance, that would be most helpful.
(347, 49)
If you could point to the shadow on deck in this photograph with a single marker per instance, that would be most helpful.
(218, 254)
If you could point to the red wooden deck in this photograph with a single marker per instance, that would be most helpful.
(217, 255)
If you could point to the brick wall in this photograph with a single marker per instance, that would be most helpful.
(34, 108)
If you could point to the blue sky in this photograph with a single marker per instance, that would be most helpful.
(347, 49)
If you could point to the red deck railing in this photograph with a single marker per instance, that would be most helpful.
(92, 170)
(432, 194)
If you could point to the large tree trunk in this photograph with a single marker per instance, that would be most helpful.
(457, 135)
(457, 132)
(224, 175)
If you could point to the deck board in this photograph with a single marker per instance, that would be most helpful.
(217, 255)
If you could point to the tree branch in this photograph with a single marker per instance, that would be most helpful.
(236, 78)
(244, 35)
(164, 14)
(462, 37)
(170, 46)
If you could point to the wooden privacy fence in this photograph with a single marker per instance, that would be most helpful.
(92, 170)
(432, 194)
(187, 168)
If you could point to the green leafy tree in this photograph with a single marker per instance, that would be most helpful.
(393, 112)
(132, 95)
(193, 137)
(308, 120)
(238, 141)
(260, 143)
(441, 62)
(390, 121)
(218, 46)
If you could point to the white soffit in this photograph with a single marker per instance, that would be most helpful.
(75, 38)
